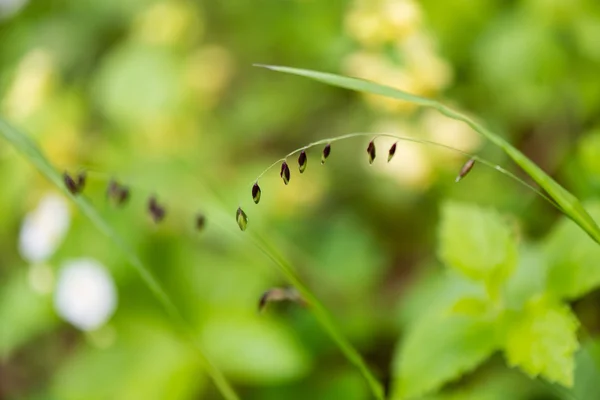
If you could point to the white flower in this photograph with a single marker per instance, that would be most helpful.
(44, 229)
(85, 294)
(10, 7)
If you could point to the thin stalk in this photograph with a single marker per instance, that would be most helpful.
(32, 153)
(320, 312)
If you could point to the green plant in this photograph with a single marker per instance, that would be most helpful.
(34, 155)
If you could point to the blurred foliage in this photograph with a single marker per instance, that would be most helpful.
(161, 95)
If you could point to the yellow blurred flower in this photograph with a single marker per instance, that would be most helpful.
(207, 72)
(169, 23)
(413, 66)
(32, 85)
(373, 23)
(411, 165)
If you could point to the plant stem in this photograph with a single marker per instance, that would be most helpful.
(318, 309)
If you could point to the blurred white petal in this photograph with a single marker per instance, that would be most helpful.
(44, 229)
(10, 7)
(85, 294)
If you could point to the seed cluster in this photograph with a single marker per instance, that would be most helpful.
(285, 172)
(75, 185)
(280, 294)
(119, 194)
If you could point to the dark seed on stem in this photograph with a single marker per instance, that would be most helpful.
(279, 294)
(302, 161)
(71, 185)
(200, 222)
(371, 151)
(241, 218)
(285, 173)
(392, 152)
(123, 195)
(118, 193)
(326, 152)
(256, 193)
(81, 181)
(465, 169)
(157, 212)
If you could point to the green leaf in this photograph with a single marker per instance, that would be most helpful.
(440, 348)
(477, 242)
(472, 306)
(146, 362)
(528, 279)
(573, 259)
(542, 341)
(566, 201)
(587, 385)
(24, 313)
(255, 350)
(33, 154)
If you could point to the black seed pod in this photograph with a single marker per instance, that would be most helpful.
(279, 294)
(465, 169)
(241, 218)
(256, 193)
(302, 161)
(112, 190)
(157, 212)
(371, 151)
(123, 195)
(392, 152)
(70, 184)
(119, 194)
(326, 152)
(81, 181)
(285, 173)
(200, 222)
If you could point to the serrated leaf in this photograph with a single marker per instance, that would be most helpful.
(528, 279)
(477, 242)
(587, 385)
(472, 306)
(439, 349)
(566, 202)
(573, 259)
(542, 341)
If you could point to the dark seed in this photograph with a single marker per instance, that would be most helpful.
(392, 152)
(371, 151)
(123, 195)
(465, 169)
(326, 152)
(302, 161)
(81, 181)
(279, 294)
(200, 222)
(241, 218)
(157, 212)
(256, 193)
(285, 173)
(118, 193)
(70, 184)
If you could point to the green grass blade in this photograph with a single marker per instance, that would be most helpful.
(33, 154)
(567, 202)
